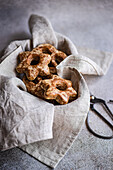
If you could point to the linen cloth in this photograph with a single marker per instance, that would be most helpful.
(41, 129)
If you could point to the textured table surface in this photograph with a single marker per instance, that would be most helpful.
(87, 23)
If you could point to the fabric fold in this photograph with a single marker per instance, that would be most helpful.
(101, 58)
(42, 31)
(22, 114)
(80, 63)
(68, 120)
(24, 44)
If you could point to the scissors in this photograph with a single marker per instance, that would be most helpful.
(93, 101)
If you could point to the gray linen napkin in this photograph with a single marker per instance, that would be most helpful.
(24, 118)
(64, 121)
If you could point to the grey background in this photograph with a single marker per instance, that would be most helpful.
(87, 23)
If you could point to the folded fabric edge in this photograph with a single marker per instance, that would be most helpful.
(65, 39)
(77, 63)
(97, 56)
(47, 161)
(9, 72)
(52, 163)
(25, 45)
(37, 23)
(44, 138)
(70, 141)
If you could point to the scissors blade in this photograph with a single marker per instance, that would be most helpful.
(102, 117)
(109, 111)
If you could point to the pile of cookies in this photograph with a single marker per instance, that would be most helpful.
(40, 74)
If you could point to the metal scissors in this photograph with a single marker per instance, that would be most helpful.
(93, 101)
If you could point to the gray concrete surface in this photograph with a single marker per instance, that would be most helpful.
(87, 23)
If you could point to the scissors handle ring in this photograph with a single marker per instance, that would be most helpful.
(94, 133)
